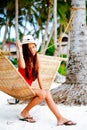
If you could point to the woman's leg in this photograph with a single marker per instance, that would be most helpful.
(40, 96)
(51, 104)
(45, 95)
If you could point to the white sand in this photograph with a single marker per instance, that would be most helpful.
(45, 120)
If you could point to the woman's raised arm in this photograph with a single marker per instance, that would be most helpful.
(21, 62)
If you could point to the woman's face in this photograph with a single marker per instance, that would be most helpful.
(32, 48)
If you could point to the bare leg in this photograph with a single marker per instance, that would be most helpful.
(51, 104)
(40, 95)
(45, 95)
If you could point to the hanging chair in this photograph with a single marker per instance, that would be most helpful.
(13, 84)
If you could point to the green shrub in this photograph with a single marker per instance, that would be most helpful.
(51, 49)
(14, 61)
(62, 68)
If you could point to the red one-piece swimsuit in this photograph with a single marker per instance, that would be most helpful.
(22, 71)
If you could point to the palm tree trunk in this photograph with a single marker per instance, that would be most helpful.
(16, 25)
(26, 17)
(55, 27)
(50, 36)
(16, 17)
(74, 90)
(78, 48)
(46, 30)
(4, 38)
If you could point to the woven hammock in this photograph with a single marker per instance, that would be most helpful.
(13, 84)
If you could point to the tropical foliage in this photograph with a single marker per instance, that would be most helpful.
(34, 12)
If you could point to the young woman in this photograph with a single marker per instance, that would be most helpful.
(29, 67)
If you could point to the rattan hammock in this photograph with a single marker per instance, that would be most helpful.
(13, 84)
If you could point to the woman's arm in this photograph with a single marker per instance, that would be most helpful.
(39, 75)
(40, 81)
(21, 62)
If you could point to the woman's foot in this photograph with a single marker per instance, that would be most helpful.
(28, 119)
(64, 121)
(25, 115)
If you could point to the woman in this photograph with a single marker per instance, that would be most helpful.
(29, 67)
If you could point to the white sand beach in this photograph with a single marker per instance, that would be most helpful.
(45, 120)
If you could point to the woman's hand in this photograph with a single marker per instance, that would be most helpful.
(19, 46)
(21, 62)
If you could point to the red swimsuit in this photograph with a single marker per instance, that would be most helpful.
(22, 71)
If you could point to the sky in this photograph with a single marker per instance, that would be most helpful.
(2, 33)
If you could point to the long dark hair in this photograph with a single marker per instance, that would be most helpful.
(30, 62)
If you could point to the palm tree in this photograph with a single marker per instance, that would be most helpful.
(44, 44)
(7, 19)
(63, 14)
(16, 20)
(55, 25)
(74, 90)
(33, 12)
